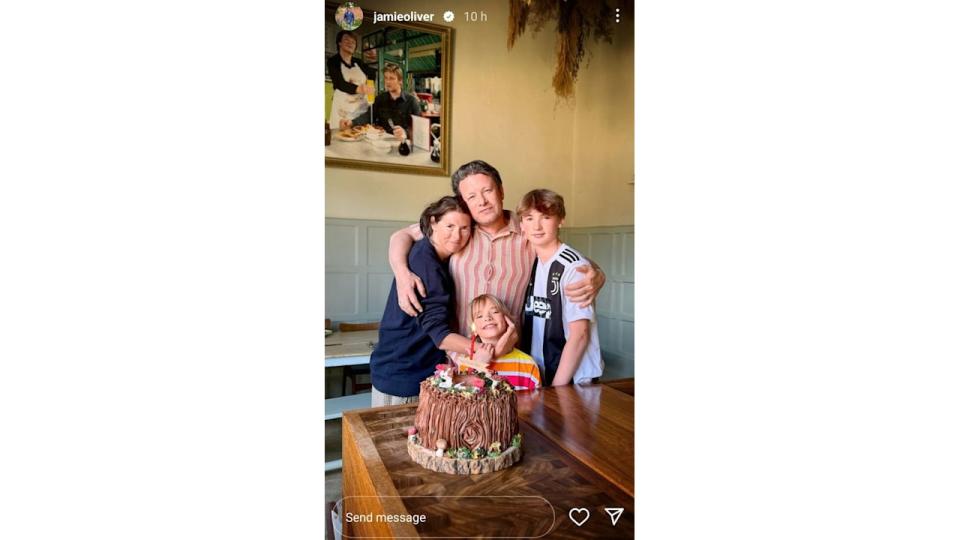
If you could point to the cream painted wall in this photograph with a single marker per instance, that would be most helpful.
(505, 112)
(603, 192)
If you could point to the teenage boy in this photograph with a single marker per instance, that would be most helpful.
(559, 334)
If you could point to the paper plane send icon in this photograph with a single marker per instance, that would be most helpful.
(614, 514)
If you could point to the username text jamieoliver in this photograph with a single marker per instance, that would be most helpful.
(412, 16)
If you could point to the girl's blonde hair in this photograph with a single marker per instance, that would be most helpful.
(481, 301)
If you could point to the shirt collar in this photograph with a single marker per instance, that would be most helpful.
(513, 221)
(513, 227)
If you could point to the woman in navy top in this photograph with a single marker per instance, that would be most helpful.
(409, 348)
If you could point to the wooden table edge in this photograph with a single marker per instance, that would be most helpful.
(372, 467)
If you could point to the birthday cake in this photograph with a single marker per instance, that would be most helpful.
(466, 423)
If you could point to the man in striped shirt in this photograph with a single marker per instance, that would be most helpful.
(497, 261)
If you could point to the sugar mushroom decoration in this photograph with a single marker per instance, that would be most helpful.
(441, 446)
(412, 434)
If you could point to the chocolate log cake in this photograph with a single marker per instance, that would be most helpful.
(466, 423)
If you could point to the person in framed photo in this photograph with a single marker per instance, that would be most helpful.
(349, 76)
(393, 109)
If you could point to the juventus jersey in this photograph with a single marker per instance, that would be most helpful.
(547, 315)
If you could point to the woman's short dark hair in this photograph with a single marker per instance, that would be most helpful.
(438, 209)
(475, 167)
(342, 33)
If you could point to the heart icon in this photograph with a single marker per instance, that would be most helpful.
(579, 516)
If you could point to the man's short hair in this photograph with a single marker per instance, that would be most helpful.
(475, 167)
(395, 69)
(544, 201)
(342, 33)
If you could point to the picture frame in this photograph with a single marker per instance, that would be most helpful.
(426, 49)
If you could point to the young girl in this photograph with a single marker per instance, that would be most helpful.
(489, 324)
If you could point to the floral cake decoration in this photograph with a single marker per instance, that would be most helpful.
(469, 382)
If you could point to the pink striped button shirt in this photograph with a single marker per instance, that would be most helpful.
(497, 264)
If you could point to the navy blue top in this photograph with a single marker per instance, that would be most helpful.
(408, 348)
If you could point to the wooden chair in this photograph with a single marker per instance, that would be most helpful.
(358, 327)
(351, 372)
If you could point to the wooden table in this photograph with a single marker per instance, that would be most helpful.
(578, 453)
(623, 385)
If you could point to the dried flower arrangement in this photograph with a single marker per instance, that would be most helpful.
(577, 21)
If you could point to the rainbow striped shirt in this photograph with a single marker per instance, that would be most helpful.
(519, 369)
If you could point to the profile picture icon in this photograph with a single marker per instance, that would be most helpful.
(349, 16)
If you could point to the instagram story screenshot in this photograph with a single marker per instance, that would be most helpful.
(479, 269)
